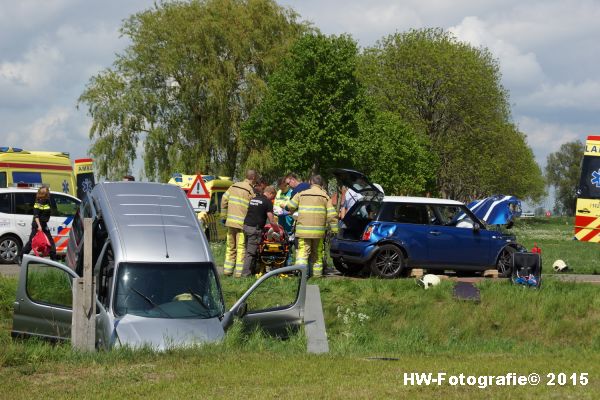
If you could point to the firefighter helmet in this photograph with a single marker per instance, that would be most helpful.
(560, 266)
(430, 280)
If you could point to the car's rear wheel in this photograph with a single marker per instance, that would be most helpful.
(388, 262)
(347, 268)
(504, 264)
(10, 247)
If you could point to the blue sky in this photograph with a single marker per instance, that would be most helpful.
(549, 52)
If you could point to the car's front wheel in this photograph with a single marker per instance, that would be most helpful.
(504, 264)
(10, 247)
(388, 262)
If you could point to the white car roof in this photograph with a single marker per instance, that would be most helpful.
(421, 200)
(33, 190)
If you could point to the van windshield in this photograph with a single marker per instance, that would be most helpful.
(168, 290)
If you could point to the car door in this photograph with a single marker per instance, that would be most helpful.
(43, 307)
(454, 242)
(275, 302)
(63, 210)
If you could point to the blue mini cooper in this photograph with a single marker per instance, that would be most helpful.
(389, 235)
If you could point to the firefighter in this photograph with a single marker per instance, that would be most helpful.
(234, 206)
(41, 216)
(315, 211)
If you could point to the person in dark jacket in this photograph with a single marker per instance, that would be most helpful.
(41, 216)
(260, 209)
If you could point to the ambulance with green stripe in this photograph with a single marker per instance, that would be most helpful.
(216, 186)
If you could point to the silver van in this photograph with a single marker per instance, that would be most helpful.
(156, 280)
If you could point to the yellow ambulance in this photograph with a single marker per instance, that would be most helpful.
(20, 167)
(216, 187)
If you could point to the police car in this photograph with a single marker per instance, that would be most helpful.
(16, 215)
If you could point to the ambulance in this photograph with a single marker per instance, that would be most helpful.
(22, 173)
(19, 167)
(587, 209)
(205, 193)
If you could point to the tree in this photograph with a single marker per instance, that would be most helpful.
(450, 92)
(391, 154)
(182, 89)
(562, 172)
(307, 120)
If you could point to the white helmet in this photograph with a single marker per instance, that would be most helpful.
(560, 266)
(429, 280)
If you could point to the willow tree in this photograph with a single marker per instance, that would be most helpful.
(451, 92)
(191, 76)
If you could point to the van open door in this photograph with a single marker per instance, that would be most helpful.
(275, 302)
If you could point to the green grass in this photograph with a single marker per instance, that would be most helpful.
(513, 329)
(555, 237)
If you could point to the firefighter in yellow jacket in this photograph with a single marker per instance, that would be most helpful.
(315, 212)
(234, 205)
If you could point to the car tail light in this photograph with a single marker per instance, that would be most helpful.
(367, 234)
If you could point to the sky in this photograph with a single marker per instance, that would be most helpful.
(548, 51)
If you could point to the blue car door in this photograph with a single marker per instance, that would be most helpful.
(453, 242)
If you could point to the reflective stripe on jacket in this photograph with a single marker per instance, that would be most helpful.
(315, 210)
(234, 203)
(42, 211)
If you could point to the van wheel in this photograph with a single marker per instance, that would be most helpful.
(10, 248)
(388, 262)
(346, 268)
(504, 264)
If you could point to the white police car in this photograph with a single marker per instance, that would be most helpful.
(16, 215)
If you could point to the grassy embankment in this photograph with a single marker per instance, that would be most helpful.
(513, 329)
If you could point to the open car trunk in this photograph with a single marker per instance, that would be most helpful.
(357, 219)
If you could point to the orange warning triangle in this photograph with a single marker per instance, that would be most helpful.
(198, 190)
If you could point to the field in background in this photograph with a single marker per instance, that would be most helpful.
(554, 236)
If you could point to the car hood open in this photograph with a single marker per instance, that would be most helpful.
(162, 333)
(497, 210)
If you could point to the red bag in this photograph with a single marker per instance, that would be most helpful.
(40, 244)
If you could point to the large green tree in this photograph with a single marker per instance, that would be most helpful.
(315, 116)
(450, 91)
(191, 76)
(563, 168)
(308, 118)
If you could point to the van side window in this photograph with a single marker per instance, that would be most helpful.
(5, 203)
(24, 203)
(105, 277)
(3, 182)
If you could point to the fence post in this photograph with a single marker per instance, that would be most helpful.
(83, 324)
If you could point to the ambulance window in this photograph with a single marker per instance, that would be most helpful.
(24, 203)
(5, 203)
(63, 206)
(3, 179)
(27, 177)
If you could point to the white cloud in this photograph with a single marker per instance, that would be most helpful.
(36, 70)
(546, 137)
(518, 68)
(567, 95)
